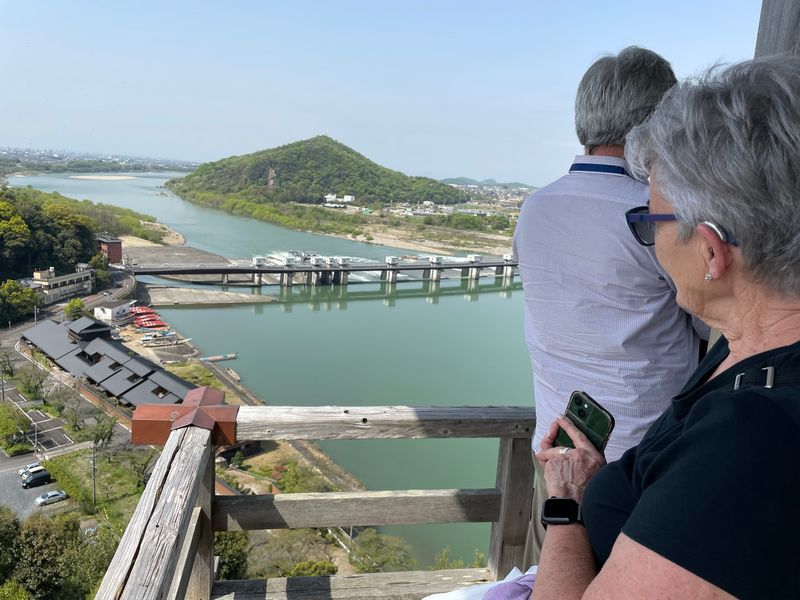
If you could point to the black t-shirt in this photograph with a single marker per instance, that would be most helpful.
(714, 486)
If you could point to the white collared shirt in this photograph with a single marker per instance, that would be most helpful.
(600, 313)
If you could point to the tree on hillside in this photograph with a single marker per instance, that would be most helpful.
(9, 530)
(16, 301)
(74, 309)
(102, 276)
(11, 590)
(42, 554)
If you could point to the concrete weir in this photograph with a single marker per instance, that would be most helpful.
(169, 296)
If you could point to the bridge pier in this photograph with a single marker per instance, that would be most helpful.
(340, 277)
(436, 274)
(391, 276)
(287, 279)
(258, 279)
(224, 279)
(474, 273)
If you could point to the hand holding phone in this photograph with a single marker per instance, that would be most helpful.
(594, 421)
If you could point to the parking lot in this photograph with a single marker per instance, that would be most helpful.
(21, 500)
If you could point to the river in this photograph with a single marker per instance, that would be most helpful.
(352, 347)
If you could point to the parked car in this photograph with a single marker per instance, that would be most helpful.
(31, 471)
(51, 497)
(27, 467)
(34, 479)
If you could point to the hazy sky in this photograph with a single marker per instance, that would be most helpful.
(442, 88)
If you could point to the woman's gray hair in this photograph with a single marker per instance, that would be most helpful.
(618, 92)
(725, 148)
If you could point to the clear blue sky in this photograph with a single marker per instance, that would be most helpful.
(442, 88)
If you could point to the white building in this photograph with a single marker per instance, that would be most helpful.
(53, 288)
(116, 312)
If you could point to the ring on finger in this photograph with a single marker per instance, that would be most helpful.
(564, 450)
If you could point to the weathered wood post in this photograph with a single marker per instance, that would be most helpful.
(515, 483)
(167, 550)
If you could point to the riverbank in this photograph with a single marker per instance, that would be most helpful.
(437, 240)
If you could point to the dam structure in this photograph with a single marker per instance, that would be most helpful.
(311, 269)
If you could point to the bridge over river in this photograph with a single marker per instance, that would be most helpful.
(318, 270)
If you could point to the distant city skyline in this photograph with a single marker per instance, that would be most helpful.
(442, 89)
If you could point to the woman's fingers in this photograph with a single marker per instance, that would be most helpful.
(575, 434)
(549, 440)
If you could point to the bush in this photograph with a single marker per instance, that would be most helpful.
(71, 483)
(311, 568)
(17, 449)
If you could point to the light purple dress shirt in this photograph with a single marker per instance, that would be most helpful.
(600, 313)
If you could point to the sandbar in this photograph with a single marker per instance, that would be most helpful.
(103, 177)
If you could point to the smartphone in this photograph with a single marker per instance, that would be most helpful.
(593, 420)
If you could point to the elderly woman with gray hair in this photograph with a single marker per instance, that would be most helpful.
(706, 505)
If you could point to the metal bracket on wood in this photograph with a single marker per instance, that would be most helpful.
(201, 407)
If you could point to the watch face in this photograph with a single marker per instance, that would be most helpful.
(559, 511)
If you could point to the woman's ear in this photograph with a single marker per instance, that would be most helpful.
(715, 251)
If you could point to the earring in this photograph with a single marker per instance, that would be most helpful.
(709, 277)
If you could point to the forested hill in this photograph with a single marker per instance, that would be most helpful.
(305, 172)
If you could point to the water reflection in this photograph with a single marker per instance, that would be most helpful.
(339, 297)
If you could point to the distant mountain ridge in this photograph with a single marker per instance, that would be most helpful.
(306, 171)
(485, 183)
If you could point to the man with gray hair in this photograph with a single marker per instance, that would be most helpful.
(600, 313)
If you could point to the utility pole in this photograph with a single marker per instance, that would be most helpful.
(94, 476)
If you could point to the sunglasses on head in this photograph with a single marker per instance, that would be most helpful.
(642, 224)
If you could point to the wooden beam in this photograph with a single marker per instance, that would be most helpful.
(331, 509)
(778, 28)
(382, 422)
(403, 585)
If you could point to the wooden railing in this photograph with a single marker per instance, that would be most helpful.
(167, 549)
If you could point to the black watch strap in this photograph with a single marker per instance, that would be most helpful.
(561, 511)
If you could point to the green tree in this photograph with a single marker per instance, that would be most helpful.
(6, 364)
(9, 531)
(13, 424)
(31, 380)
(231, 547)
(43, 554)
(103, 431)
(16, 301)
(74, 309)
(11, 590)
(102, 276)
(89, 560)
(374, 552)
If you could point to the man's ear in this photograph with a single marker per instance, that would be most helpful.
(715, 252)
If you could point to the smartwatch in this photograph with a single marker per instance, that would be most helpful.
(561, 511)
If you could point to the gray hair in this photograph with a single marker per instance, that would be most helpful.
(726, 148)
(618, 92)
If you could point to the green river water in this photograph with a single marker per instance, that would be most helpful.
(356, 347)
